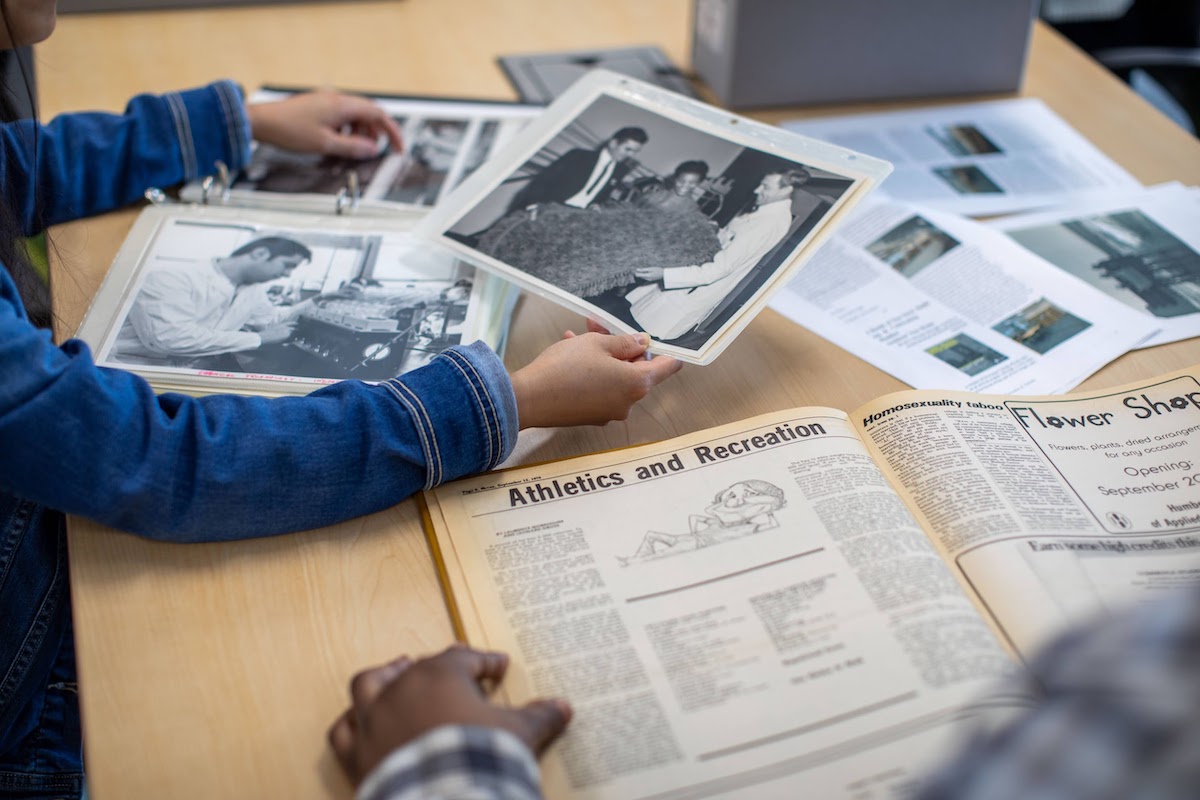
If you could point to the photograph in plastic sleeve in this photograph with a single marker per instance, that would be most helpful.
(444, 142)
(647, 220)
(236, 300)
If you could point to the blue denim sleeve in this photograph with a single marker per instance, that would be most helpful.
(88, 163)
(99, 443)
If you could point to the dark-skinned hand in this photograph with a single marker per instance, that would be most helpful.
(398, 702)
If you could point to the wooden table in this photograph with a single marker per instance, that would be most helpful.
(213, 670)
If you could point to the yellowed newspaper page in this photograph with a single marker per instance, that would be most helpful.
(748, 612)
(1052, 509)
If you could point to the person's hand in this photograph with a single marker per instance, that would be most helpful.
(324, 122)
(296, 310)
(649, 273)
(348, 290)
(588, 380)
(398, 702)
(277, 334)
(593, 326)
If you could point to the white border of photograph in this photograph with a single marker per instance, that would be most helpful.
(861, 172)
(413, 113)
(490, 303)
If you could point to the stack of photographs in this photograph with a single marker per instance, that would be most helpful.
(627, 202)
(365, 299)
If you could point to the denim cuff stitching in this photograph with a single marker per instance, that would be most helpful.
(424, 427)
(485, 404)
(183, 129)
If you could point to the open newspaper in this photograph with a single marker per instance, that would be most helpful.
(808, 601)
(939, 300)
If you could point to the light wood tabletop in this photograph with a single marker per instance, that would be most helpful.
(214, 670)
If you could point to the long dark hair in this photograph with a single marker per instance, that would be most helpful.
(17, 96)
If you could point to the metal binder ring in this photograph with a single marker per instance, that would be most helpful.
(223, 179)
(352, 185)
(206, 187)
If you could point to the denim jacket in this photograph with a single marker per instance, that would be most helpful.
(81, 439)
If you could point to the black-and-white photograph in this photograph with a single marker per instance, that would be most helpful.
(243, 300)
(481, 148)
(912, 245)
(1125, 254)
(272, 169)
(963, 140)
(1041, 326)
(966, 354)
(968, 179)
(444, 141)
(665, 226)
(431, 149)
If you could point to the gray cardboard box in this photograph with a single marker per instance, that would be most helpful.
(790, 52)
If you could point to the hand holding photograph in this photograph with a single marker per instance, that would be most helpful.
(445, 140)
(649, 211)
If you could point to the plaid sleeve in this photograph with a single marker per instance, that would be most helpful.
(456, 763)
(1117, 716)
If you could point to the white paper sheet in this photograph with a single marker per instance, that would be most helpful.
(1141, 248)
(978, 159)
(941, 301)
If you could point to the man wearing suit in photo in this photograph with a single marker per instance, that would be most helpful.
(582, 178)
(678, 298)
